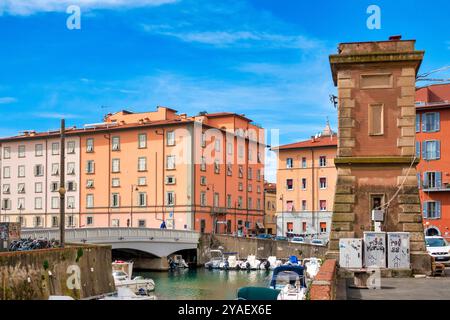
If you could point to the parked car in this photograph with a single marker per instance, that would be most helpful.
(298, 240)
(281, 238)
(438, 248)
(317, 242)
(264, 236)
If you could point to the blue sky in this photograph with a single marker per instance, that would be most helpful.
(266, 59)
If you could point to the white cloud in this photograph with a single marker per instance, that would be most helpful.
(29, 7)
(56, 115)
(7, 100)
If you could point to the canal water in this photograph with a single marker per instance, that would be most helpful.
(203, 284)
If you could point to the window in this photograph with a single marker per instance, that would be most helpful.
(240, 186)
(323, 183)
(6, 172)
(303, 162)
(203, 180)
(21, 188)
(250, 173)
(142, 199)
(203, 198)
(430, 122)
(258, 189)
(21, 152)
(323, 227)
(376, 121)
(216, 166)
(289, 163)
(70, 202)
(70, 147)
(21, 171)
(418, 149)
(431, 150)
(70, 221)
(142, 164)
(6, 189)
(230, 148)
(323, 205)
(22, 221)
(71, 168)
(37, 221)
(170, 138)
(217, 144)
(6, 204)
(322, 161)
(304, 184)
(259, 158)
(55, 148)
(90, 145)
(250, 203)
(115, 223)
(38, 170)
(229, 169)
(38, 187)
(54, 186)
(203, 140)
(432, 180)
(249, 188)
(115, 200)
(304, 207)
(170, 165)
(202, 225)
(142, 141)
(38, 150)
(241, 171)
(289, 184)
(55, 202)
(432, 209)
(115, 182)
(258, 204)
(142, 181)
(229, 201)
(89, 184)
(89, 220)
(170, 198)
(7, 153)
(55, 169)
(258, 175)
(239, 202)
(141, 223)
(241, 151)
(289, 206)
(304, 226)
(90, 166)
(290, 227)
(216, 200)
(89, 201)
(203, 164)
(38, 203)
(55, 222)
(170, 180)
(417, 122)
(115, 165)
(115, 143)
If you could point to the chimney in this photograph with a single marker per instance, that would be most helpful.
(395, 38)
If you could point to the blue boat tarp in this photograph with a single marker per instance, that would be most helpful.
(294, 273)
(257, 293)
(293, 260)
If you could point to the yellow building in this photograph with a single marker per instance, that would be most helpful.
(270, 211)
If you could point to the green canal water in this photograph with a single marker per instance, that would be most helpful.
(203, 284)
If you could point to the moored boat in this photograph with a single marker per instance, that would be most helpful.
(122, 274)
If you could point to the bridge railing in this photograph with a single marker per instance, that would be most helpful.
(116, 234)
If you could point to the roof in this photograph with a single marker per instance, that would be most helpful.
(270, 186)
(433, 96)
(319, 142)
(226, 114)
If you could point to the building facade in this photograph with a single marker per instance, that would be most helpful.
(270, 205)
(433, 150)
(306, 178)
(203, 172)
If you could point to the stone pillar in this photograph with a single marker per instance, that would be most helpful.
(376, 143)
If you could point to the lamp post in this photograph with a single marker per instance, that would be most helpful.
(133, 188)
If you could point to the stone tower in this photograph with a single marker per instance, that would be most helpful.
(376, 164)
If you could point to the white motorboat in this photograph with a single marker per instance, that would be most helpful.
(271, 263)
(250, 264)
(122, 273)
(177, 262)
(125, 293)
(312, 266)
(216, 259)
(290, 280)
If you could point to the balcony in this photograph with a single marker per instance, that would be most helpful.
(444, 188)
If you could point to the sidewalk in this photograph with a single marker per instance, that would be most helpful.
(437, 288)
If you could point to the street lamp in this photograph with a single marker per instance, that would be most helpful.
(133, 188)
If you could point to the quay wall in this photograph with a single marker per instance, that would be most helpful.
(79, 271)
(262, 248)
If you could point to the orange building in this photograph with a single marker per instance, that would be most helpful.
(203, 172)
(433, 149)
(306, 178)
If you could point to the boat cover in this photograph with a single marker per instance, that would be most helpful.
(297, 270)
(257, 293)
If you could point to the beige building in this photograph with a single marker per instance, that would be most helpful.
(270, 211)
(306, 178)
